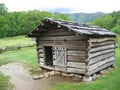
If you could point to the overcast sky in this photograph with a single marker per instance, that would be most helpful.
(88, 6)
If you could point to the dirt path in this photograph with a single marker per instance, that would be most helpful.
(22, 79)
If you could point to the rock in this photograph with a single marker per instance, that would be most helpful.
(46, 75)
(71, 75)
(36, 77)
(94, 77)
(87, 79)
(52, 73)
(97, 75)
(103, 72)
(39, 69)
(78, 76)
(68, 75)
(77, 79)
(57, 73)
(64, 74)
(41, 76)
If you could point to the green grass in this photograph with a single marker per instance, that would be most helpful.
(25, 55)
(13, 41)
(4, 83)
(118, 40)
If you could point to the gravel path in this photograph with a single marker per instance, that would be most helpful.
(22, 80)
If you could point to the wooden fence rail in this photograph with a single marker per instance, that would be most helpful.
(18, 47)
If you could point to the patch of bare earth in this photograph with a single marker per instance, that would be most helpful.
(22, 79)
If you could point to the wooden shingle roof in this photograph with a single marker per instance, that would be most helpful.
(77, 27)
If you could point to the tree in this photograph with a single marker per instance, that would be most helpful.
(3, 9)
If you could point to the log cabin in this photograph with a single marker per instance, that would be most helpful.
(72, 47)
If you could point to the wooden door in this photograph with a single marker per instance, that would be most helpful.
(59, 58)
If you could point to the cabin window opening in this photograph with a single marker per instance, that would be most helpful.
(48, 55)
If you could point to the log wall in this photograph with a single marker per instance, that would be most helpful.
(83, 56)
(76, 48)
(101, 54)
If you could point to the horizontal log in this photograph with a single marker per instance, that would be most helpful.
(100, 53)
(75, 70)
(101, 57)
(47, 67)
(65, 43)
(101, 39)
(83, 48)
(40, 47)
(100, 68)
(102, 48)
(97, 44)
(76, 65)
(76, 53)
(60, 68)
(100, 63)
(72, 37)
(41, 60)
(41, 55)
(56, 33)
(41, 64)
(76, 58)
(40, 50)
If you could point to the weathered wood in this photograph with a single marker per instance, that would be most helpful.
(76, 64)
(100, 63)
(77, 48)
(41, 60)
(40, 47)
(60, 68)
(41, 55)
(101, 39)
(60, 56)
(102, 48)
(72, 37)
(100, 53)
(56, 33)
(63, 43)
(77, 58)
(101, 57)
(75, 70)
(42, 64)
(97, 44)
(48, 67)
(76, 53)
(40, 50)
(100, 68)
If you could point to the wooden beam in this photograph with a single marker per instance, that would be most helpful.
(100, 68)
(102, 48)
(101, 57)
(100, 63)
(76, 65)
(101, 39)
(91, 55)
(76, 53)
(75, 70)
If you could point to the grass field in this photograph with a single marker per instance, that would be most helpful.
(25, 55)
(4, 83)
(13, 41)
(28, 56)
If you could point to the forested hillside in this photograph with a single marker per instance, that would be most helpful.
(84, 17)
(110, 21)
(20, 23)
